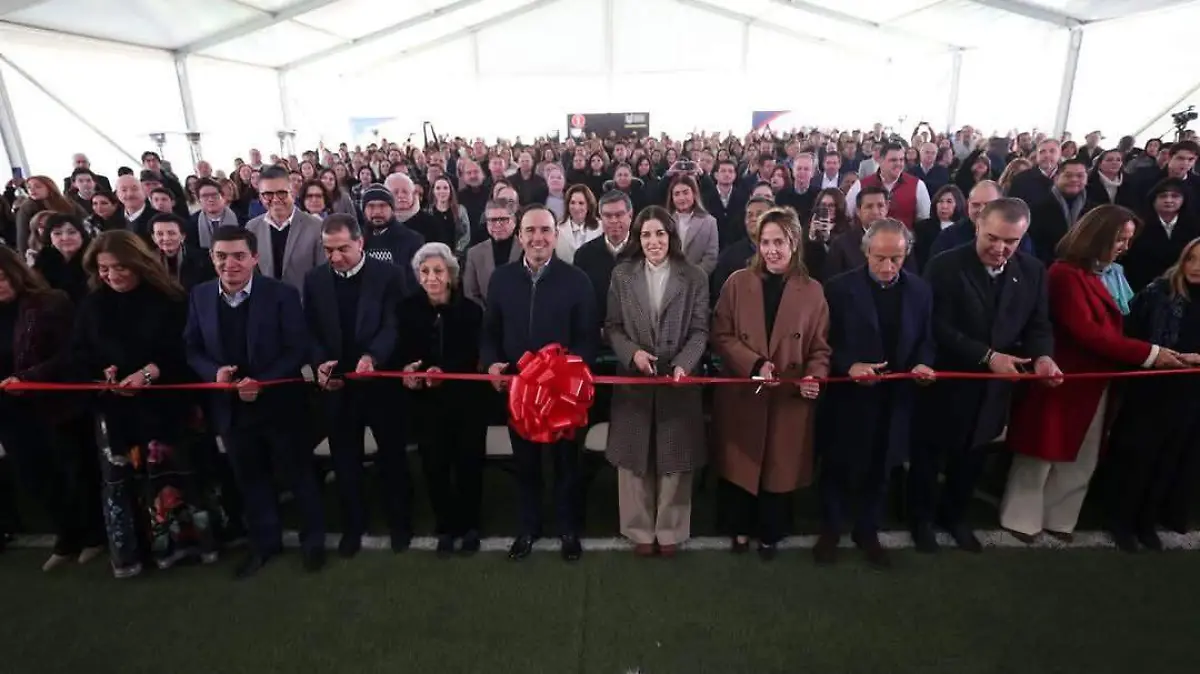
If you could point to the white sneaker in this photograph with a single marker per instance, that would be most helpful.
(54, 562)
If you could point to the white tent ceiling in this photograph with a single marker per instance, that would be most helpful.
(313, 66)
(290, 33)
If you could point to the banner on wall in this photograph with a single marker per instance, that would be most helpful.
(361, 125)
(762, 118)
(623, 123)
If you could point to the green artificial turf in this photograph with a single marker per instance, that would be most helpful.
(1080, 611)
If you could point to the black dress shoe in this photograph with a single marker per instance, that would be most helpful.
(1150, 540)
(401, 541)
(964, 538)
(1124, 539)
(925, 538)
(767, 551)
(521, 547)
(470, 543)
(349, 546)
(572, 549)
(313, 560)
(250, 566)
(826, 550)
(445, 546)
(876, 555)
(1027, 539)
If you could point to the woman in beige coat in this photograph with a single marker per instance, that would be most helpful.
(657, 323)
(771, 322)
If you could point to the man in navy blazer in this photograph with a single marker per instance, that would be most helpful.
(244, 329)
(880, 320)
(535, 301)
(350, 303)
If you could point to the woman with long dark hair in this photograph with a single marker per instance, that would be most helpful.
(657, 323)
(60, 260)
(339, 200)
(949, 206)
(47, 436)
(127, 333)
(44, 195)
(450, 216)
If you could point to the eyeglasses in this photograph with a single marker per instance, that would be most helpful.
(279, 194)
(210, 195)
(499, 221)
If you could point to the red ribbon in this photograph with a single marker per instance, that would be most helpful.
(550, 396)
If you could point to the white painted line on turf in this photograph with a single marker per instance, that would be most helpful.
(896, 540)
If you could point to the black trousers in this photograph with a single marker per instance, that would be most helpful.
(59, 466)
(254, 451)
(764, 515)
(528, 458)
(351, 411)
(963, 468)
(856, 492)
(452, 459)
(1155, 461)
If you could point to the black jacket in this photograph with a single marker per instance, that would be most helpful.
(1048, 225)
(594, 259)
(523, 316)
(395, 244)
(1032, 187)
(731, 219)
(534, 189)
(67, 276)
(375, 326)
(1153, 252)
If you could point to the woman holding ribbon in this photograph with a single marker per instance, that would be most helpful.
(771, 322)
(1056, 433)
(657, 323)
(128, 334)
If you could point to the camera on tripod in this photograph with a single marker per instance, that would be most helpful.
(1182, 118)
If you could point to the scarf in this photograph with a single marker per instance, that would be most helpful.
(204, 224)
(405, 216)
(1113, 278)
(1111, 186)
(1073, 210)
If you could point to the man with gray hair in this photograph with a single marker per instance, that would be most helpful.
(963, 231)
(598, 257)
(928, 170)
(409, 213)
(880, 320)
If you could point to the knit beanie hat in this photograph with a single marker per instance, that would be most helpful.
(377, 192)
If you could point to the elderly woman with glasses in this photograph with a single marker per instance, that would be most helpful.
(440, 333)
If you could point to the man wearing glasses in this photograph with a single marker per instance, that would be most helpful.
(291, 239)
(500, 248)
(213, 213)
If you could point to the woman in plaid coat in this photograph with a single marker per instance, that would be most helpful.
(657, 322)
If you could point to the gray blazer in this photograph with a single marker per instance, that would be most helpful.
(701, 245)
(679, 338)
(302, 253)
(481, 262)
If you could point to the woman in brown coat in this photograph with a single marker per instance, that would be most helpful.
(658, 325)
(771, 322)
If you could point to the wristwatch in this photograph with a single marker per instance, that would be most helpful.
(146, 376)
(987, 357)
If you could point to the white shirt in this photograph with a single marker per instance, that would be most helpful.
(656, 285)
(827, 182)
(725, 196)
(237, 298)
(280, 225)
(682, 222)
(923, 202)
(1169, 227)
(353, 270)
(615, 250)
(134, 216)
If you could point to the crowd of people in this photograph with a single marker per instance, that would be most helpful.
(780, 258)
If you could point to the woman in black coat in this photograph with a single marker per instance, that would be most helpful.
(128, 332)
(440, 333)
(47, 436)
(974, 168)
(1155, 440)
(60, 259)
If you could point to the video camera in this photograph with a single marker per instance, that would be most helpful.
(1182, 118)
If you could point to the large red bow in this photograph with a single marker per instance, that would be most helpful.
(550, 396)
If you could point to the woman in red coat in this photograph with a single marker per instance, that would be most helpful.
(1056, 433)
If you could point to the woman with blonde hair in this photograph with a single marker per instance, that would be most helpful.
(1015, 167)
(771, 322)
(1155, 442)
(44, 195)
(128, 333)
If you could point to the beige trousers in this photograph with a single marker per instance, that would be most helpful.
(1047, 495)
(655, 507)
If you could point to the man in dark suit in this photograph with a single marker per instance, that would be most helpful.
(726, 201)
(990, 314)
(350, 303)
(1050, 220)
(846, 251)
(530, 186)
(928, 170)
(831, 177)
(879, 321)
(597, 257)
(80, 161)
(800, 195)
(564, 313)
(963, 232)
(137, 210)
(1033, 186)
(244, 329)
(499, 248)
